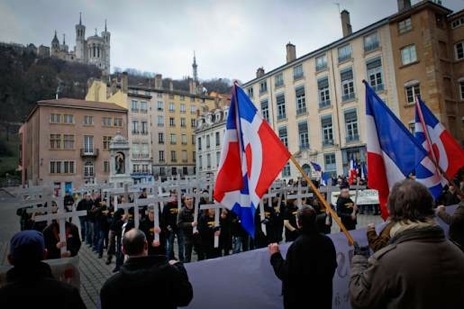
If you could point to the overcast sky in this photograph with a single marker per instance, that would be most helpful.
(231, 38)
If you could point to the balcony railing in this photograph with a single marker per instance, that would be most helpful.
(89, 152)
(378, 87)
(327, 142)
(352, 138)
(323, 104)
(301, 110)
(348, 96)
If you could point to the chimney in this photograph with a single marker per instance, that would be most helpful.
(191, 86)
(171, 86)
(291, 52)
(260, 72)
(404, 5)
(124, 82)
(158, 81)
(346, 24)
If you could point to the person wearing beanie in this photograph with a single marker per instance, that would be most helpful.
(30, 283)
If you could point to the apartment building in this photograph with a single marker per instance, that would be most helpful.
(316, 103)
(209, 135)
(161, 124)
(65, 142)
(427, 46)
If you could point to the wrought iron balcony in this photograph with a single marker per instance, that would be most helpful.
(92, 152)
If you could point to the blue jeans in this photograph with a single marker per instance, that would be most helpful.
(170, 244)
(240, 243)
(100, 238)
(84, 223)
(236, 244)
(90, 232)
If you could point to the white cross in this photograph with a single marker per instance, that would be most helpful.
(175, 186)
(61, 216)
(31, 197)
(156, 202)
(197, 195)
(217, 207)
(328, 191)
(300, 194)
(126, 205)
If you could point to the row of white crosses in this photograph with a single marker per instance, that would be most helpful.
(41, 195)
(160, 194)
(196, 187)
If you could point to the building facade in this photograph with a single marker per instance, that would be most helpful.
(316, 103)
(209, 135)
(167, 144)
(65, 142)
(161, 125)
(91, 50)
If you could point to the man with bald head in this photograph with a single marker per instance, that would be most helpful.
(165, 281)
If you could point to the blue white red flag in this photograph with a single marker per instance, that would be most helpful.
(391, 148)
(325, 178)
(316, 166)
(428, 172)
(363, 170)
(444, 150)
(353, 172)
(252, 156)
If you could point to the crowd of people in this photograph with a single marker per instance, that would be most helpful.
(145, 255)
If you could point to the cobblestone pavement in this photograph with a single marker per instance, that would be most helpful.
(94, 271)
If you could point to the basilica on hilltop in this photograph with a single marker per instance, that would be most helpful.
(91, 50)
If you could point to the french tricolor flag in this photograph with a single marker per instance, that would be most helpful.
(252, 156)
(353, 172)
(392, 151)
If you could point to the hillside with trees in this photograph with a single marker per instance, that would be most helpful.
(26, 78)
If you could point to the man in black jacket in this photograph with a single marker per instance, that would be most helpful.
(165, 281)
(347, 210)
(309, 267)
(30, 283)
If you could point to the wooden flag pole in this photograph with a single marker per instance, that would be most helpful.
(323, 201)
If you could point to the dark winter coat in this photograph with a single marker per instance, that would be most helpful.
(147, 279)
(307, 271)
(35, 287)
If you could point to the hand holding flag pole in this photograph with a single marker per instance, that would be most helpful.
(324, 202)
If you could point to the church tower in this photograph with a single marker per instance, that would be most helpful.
(195, 84)
(106, 56)
(195, 70)
(55, 50)
(80, 41)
